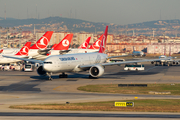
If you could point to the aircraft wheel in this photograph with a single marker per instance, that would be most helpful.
(91, 77)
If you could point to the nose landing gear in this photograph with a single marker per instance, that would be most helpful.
(49, 74)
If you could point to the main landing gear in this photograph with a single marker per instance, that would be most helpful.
(63, 75)
(91, 77)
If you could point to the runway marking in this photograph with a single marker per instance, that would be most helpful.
(151, 68)
(56, 87)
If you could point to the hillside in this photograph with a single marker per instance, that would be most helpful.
(76, 25)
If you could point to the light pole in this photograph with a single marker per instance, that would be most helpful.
(0, 37)
(20, 38)
(7, 35)
(13, 36)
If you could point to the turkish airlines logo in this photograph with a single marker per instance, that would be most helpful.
(103, 41)
(65, 42)
(84, 45)
(42, 44)
(24, 51)
(98, 43)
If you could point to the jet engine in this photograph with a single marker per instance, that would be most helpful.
(41, 72)
(152, 62)
(96, 71)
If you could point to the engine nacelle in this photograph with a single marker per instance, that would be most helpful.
(41, 72)
(152, 62)
(96, 71)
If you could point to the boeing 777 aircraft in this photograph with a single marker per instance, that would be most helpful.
(94, 62)
(23, 52)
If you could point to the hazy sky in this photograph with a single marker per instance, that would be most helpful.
(120, 12)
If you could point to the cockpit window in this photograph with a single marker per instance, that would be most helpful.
(47, 62)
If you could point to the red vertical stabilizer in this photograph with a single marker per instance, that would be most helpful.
(24, 50)
(85, 44)
(97, 43)
(43, 42)
(64, 44)
(103, 42)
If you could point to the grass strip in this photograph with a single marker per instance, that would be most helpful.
(160, 105)
(113, 88)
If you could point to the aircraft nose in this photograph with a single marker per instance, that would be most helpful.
(47, 66)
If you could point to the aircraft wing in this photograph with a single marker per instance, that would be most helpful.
(25, 59)
(119, 56)
(119, 63)
(63, 51)
(43, 52)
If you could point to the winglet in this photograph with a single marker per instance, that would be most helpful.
(97, 43)
(64, 44)
(103, 42)
(85, 44)
(24, 50)
(43, 42)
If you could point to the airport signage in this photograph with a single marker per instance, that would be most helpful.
(124, 104)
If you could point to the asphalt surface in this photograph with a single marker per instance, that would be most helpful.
(17, 88)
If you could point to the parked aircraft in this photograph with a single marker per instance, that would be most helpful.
(23, 52)
(137, 53)
(169, 61)
(94, 62)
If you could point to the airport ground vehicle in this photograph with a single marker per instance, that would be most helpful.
(134, 67)
(5, 67)
(29, 67)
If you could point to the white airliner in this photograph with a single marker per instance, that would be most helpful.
(138, 53)
(94, 62)
(169, 61)
(23, 52)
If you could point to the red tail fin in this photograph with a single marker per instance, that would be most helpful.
(96, 44)
(85, 44)
(24, 50)
(64, 44)
(43, 42)
(103, 42)
(1, 50)
(53, 46)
